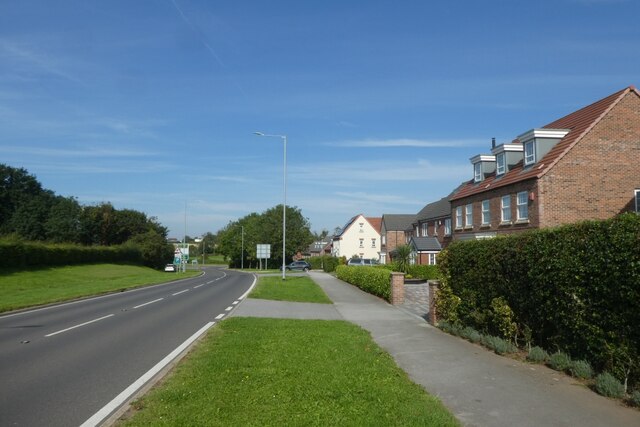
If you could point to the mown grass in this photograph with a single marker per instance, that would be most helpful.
(273, 372)
(295, 288)
(20, 289)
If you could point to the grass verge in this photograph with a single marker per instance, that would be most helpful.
(250, 371)
(295, 288)
(22, 288)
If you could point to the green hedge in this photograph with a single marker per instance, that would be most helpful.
(575, 288)
(376, 281)
(324, 262)
(18, 254)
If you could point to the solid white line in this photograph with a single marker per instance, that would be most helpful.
(181, 292)
(243, 296)
(99, 416)
(77, 326)
(147, 303)
(219, 316)
(228, 308)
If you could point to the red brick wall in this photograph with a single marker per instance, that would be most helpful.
(394, 239)
(597, 177)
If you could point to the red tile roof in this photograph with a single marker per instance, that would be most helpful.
(376, 223)
(579, 122)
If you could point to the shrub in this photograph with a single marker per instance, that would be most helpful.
(471, 334)
(537, 355)
(450, 328)
(560, 361)
(581, 369)
(498, 345)
(609, 386)
(375, 281)
(635, 398)
(424, 272)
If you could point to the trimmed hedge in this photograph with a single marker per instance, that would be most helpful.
(326, 263)
(376, 281)
(575, 288)
(17, 254)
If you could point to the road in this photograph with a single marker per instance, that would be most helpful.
(61, 364)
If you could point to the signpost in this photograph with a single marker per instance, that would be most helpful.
(263, 251)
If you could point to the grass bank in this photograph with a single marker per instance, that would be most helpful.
(295, 288)
(274, 372)
(20, 289)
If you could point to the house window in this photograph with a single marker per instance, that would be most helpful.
(361, 227)
(477, 172)
(459, 217)
(505, 207)
(425, 233)
(383, 239)
(523, 207)
(432, 259)
(362, 243)
(468, 215)
(500, 164)
(447, 227)
(486, 215)
(529, 153)
(637, 201)
(373, 243)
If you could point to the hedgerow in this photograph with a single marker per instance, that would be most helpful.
(376, 281)
(575, 288)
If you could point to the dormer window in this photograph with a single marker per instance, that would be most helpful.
(529, 153)
(477, 172)
(500, 164)
(483, 164)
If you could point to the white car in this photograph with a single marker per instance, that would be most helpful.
(171, 268)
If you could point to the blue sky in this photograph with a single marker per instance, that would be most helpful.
(152, 104)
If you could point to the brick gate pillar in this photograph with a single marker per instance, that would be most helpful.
(397, 288)
(433, 296)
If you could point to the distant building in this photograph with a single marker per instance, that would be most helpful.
(359, 237)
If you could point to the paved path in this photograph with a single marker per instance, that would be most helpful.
(479, 387)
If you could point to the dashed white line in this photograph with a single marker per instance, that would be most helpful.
(235, 302)
(228, 308)
(197, 286)
(77, 326)
(219, 316)
(147, 303)
(181, 292)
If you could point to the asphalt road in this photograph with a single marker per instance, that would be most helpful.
(60, 365)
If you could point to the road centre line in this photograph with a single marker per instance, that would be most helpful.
(77, 326)
(147, 303)
(181, 292)
(197, 286)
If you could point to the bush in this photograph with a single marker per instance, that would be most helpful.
(424, 272)
(581, 369)
(609, 386)
(449, 328)
(560, 361)
(471, 334)
(537, 355)
(635, 398)
(375, 281)
(498, 345)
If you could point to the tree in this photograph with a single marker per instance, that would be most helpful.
(20, 212)
(403, 257)
(63, 223)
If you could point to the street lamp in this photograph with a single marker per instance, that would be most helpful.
(284, 205)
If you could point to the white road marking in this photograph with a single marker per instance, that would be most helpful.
(228, 308)
(235, 302)
(77, 326)
(181, 292)
(147, 303)
(197, 286)
(219, 316)
(99, 416)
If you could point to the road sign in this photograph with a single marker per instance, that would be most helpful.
(263, 251)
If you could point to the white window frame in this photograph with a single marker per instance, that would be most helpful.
(459, 223)
(425, 229)
(362, 243)
(529, 153)
(383, 239)
(477, 172)
(373, 242)
(522, 201)
(447, 227)
(468, 215)
(505, 208)
(500, 164)
(486, 212)
(432, 259)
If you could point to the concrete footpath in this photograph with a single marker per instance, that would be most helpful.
(478, 386)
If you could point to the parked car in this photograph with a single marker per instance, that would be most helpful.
(171, 268)
(362, 262)
(298, 265)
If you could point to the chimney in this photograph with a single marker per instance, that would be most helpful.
(493, 143)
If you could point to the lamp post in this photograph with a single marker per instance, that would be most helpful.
(284, 205)
(242, 250)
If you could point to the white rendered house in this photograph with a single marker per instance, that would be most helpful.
(360, 237)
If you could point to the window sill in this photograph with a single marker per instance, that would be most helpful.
(469, 227)
(522, 221)
(505, 223)
(485, 226)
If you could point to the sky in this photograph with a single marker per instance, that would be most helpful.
(152, 105)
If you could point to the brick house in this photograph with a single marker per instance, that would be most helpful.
(579, 167)
(393, 233)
